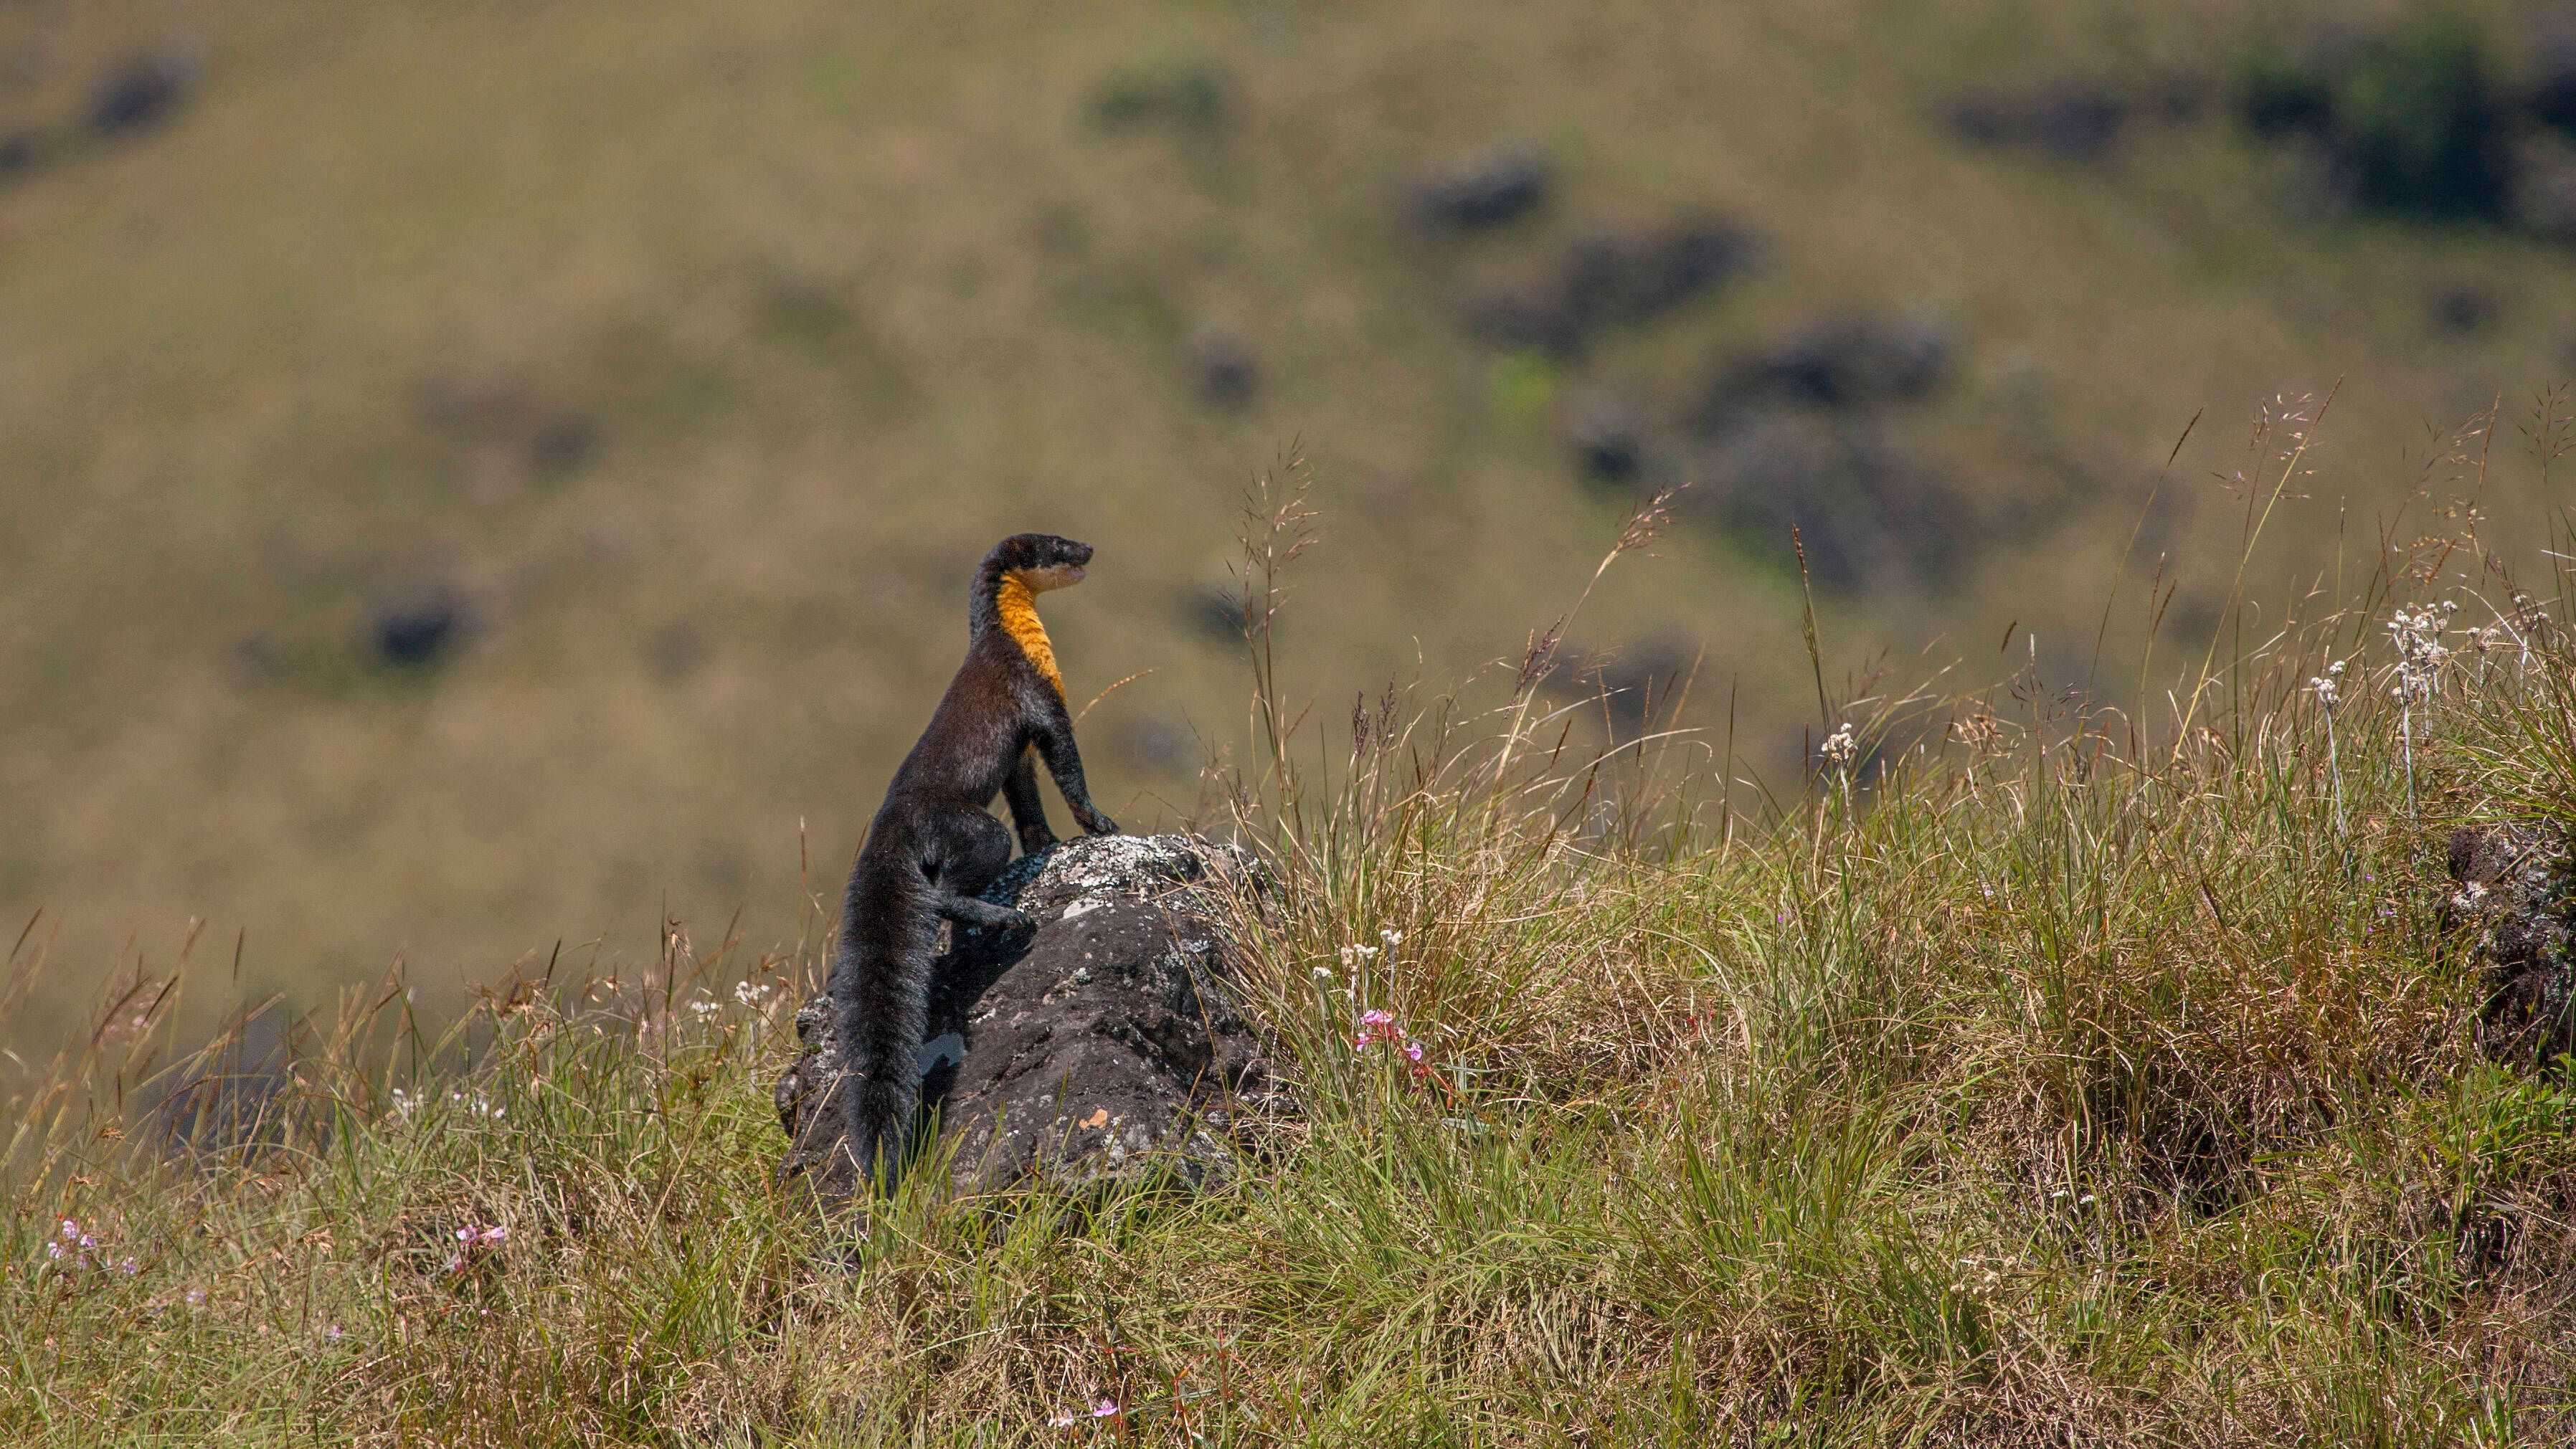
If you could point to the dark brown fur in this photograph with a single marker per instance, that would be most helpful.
(934, 845)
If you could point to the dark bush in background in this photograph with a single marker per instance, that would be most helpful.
(2411, 117)
(2422, 128)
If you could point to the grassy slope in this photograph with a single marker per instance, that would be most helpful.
(2049, 1092)
(850, 290)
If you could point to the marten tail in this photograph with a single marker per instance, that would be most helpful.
(880, 995)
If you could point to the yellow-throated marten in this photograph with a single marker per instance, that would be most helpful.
(934, 845)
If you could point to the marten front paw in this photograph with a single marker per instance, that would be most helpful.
(1033, 841)
(1099, 824)
(1019, 921)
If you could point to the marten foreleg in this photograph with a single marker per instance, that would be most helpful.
(1055, 742)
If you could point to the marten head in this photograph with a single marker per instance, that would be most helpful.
(1039, 561)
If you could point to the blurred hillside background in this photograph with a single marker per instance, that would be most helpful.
(478, 475)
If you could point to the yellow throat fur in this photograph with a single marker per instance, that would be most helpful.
(1019, 609)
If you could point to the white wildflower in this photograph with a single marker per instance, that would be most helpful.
(2420, 650)
(1840, 748)
(2420, 657)
(2329, 685)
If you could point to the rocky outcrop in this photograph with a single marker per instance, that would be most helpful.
(1104, 1048)
(2514, 887)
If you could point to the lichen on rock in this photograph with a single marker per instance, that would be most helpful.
(2514, 886)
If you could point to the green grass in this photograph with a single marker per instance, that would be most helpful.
(2062, 1079)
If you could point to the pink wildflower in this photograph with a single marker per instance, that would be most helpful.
(1104, 1408)
(1376, 1026)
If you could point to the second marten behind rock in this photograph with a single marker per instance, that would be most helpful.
(934, 845)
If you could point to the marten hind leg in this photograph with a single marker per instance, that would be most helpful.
(1028, 812)
(973, 849)
(971, 911)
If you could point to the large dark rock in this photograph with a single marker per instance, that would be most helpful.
(2514, 888)
(1636, 684)
(1607, 436)
(1215, 610)
(1103, 1050)
(558, 447)
(1487, 189)
(22, 150)
(1800, 433)
(2070, 121)
(414, 626)
(1616, 277)
(1224, 370)
(142, 90)
(1867, 508)
(1846, 360)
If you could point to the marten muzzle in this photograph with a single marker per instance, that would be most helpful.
(1053, 576)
